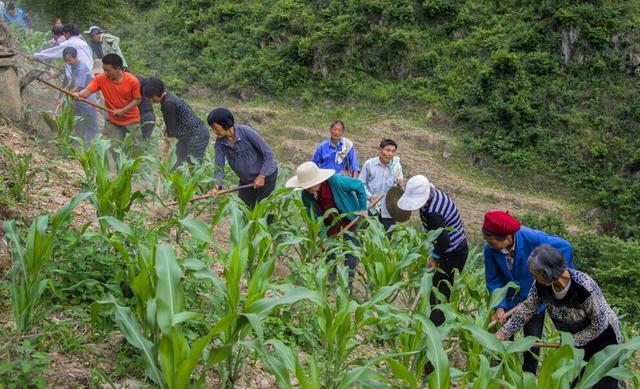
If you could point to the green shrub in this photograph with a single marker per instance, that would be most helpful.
(615, 265)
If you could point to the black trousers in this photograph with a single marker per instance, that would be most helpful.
(351, 261)
(146, 128)
(386, 222)
(533, 327)
(251, 196)
(193, 146)
(448, 263)
(590, 349)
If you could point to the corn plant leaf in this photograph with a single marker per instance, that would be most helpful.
(64, 212)
(521, 345)
(169, 294)
(440, 377)
(131, 330)
(554, 361)
(264, 306)
(201, 271)
(621, 373)
(198, 230)
(118, 226)
(599, 365)
(184, 316)
(401, 372)
(486, 339)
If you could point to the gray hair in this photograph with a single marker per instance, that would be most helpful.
(547, 262)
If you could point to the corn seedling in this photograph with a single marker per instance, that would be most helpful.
(114, 195)
(64, 124)
(19, 174)
(27, 278)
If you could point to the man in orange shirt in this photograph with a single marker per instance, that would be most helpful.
(121, 91)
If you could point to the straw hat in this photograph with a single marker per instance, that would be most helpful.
(416, 195)
(391, 201)
(309, 174)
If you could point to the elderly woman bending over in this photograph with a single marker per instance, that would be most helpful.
(574, 302)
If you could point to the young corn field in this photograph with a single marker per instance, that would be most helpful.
(204, 291)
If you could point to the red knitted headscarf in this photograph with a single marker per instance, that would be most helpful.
(500, 223)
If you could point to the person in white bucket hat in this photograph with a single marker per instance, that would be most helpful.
(450, 250)
(324, 190)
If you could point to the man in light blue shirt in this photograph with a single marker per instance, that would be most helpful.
(337, 153)
(381, 173)
(81, 76)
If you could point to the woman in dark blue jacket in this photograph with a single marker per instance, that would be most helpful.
(506, 251)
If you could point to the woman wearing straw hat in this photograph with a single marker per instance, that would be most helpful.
(324, 190)
(437, 210)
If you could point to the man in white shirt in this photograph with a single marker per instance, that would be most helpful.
(73, 39)
(381, 173)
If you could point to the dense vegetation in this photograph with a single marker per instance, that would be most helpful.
(544, 87)
(526, 104)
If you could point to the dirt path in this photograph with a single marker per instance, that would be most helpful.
(421, 151)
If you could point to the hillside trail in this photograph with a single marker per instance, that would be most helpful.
(421, 150)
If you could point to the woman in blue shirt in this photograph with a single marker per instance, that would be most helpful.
(337, 152)
(506, 251)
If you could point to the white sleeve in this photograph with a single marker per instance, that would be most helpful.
(54, 52)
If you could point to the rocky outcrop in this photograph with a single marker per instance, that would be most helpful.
(11, 106)
(570, 45)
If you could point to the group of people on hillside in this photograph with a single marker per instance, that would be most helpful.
(332, 180)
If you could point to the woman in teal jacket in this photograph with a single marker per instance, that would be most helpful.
(506, 251)
(323, 191)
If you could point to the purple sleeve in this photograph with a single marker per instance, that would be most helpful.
(262, 147)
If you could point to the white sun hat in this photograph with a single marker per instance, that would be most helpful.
(309, 174)
(416, 193)
(93, 30)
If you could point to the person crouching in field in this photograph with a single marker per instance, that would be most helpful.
(575, 304)
(324, 190)
(81, 76)
(248, 154)
(437, 210)
(508, 245)
(180, 122)
(121, 91)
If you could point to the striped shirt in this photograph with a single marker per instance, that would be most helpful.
(441, 211)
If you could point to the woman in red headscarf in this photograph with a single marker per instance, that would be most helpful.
(506, 251)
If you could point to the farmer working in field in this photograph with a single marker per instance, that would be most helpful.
(337, 152)
(107, 43)
(507, 248)
(121, 91)
(248, 154)
(380, 174)
(324, 190)
(437, 210)
(81, 76)
(72, 39)
(180, 122)
(575, 304)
